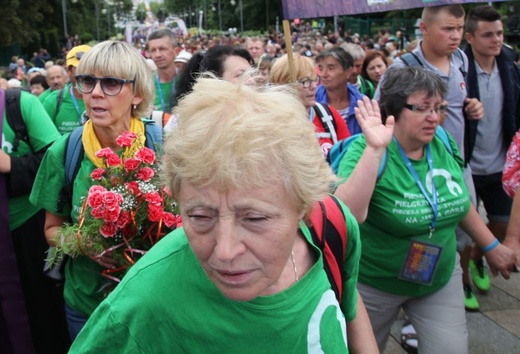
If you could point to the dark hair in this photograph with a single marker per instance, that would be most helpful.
(211, 60)
(341, 55)
(39, 79)
(481, 13)
(401, 83)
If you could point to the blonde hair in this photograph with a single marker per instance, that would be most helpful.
(237, 136)
(302, 67)
(120, 59)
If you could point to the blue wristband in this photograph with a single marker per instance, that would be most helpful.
(491, 246)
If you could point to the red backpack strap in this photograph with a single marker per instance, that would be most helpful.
(329, 233)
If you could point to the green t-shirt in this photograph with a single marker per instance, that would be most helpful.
(44, 95)
(396, 232)
(166, 88)
(69, 116)
(41, 132)
(166, 304)
(83, 278)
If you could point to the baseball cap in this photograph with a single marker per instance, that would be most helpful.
(75, 54)
(183, 57)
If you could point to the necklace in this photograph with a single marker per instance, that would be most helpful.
(294, 266)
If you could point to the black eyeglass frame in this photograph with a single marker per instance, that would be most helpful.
(441, 109)
(306, 83)
(79, 79)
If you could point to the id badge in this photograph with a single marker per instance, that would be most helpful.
(420, 263)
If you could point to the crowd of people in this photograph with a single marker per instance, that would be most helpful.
(248, 129)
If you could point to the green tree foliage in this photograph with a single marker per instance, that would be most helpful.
(22, 20)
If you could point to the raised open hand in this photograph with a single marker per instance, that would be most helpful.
(368, 115)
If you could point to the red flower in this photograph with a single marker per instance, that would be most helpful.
(108, 229)
(145, 155)
(96, 188)
(98, 212)
(111, 215)
(169, 219)
(95, 199)
(155, 213)
(104, 152)
(113, 160)
(123, 219)
(153, 198)
(111, 200)
(131, 164)
(145, 174)
(97, 174)
(126, 139)
(133, 187)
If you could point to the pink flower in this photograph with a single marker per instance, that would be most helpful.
(133, 187)
(153, 198)
(145, 174)
(113, 160)
(108, 229)
(126, 139)
(104, 152)
(111, 200)
(169, 219)
(145, 155)
(96, 188)
(97, 174)
(131, 164)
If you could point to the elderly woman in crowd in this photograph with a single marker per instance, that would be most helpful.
(330, 127)
(117, 89)
(410, 213)
(244, 257)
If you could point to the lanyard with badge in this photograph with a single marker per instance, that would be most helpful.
(159, 88)
(421, 260)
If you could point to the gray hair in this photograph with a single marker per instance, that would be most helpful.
(401, 83)
(161, 33)
(344, 58)
(355, 50)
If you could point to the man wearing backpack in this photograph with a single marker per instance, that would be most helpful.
(27, 132)
(494, 78)
(65, 106)
(442, 30)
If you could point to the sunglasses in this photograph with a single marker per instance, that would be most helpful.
(111, 86)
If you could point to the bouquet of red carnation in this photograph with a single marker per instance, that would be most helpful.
(125, 212)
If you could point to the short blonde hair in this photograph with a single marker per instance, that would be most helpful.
(302, 67)
(237, 136)
(122, 60)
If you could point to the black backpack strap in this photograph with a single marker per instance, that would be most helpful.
(411, 59)
(329, 233)
(59, 100)
(72, 160)
(15, 118)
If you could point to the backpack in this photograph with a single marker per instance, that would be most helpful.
(74, 155)
(338, 150)
(327, 121)
(59, 100)
(329, 233)
(411, 59)
(14, 117)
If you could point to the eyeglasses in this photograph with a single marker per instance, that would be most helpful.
(441, 109)
(111, 86)
(306, 83)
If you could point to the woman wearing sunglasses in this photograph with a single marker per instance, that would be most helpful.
(409, 213)
(117, 88)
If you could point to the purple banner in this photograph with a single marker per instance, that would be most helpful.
(325, 8)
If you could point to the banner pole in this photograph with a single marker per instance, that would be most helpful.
(288, 49)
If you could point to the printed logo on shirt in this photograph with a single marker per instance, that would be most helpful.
(328, 300)
(6, 146)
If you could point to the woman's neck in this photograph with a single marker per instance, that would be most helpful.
(338, 98)
(107, 135)
(414, 150)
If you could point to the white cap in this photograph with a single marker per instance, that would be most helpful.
(183, 57)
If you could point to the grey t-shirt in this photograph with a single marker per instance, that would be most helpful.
(489, 153)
